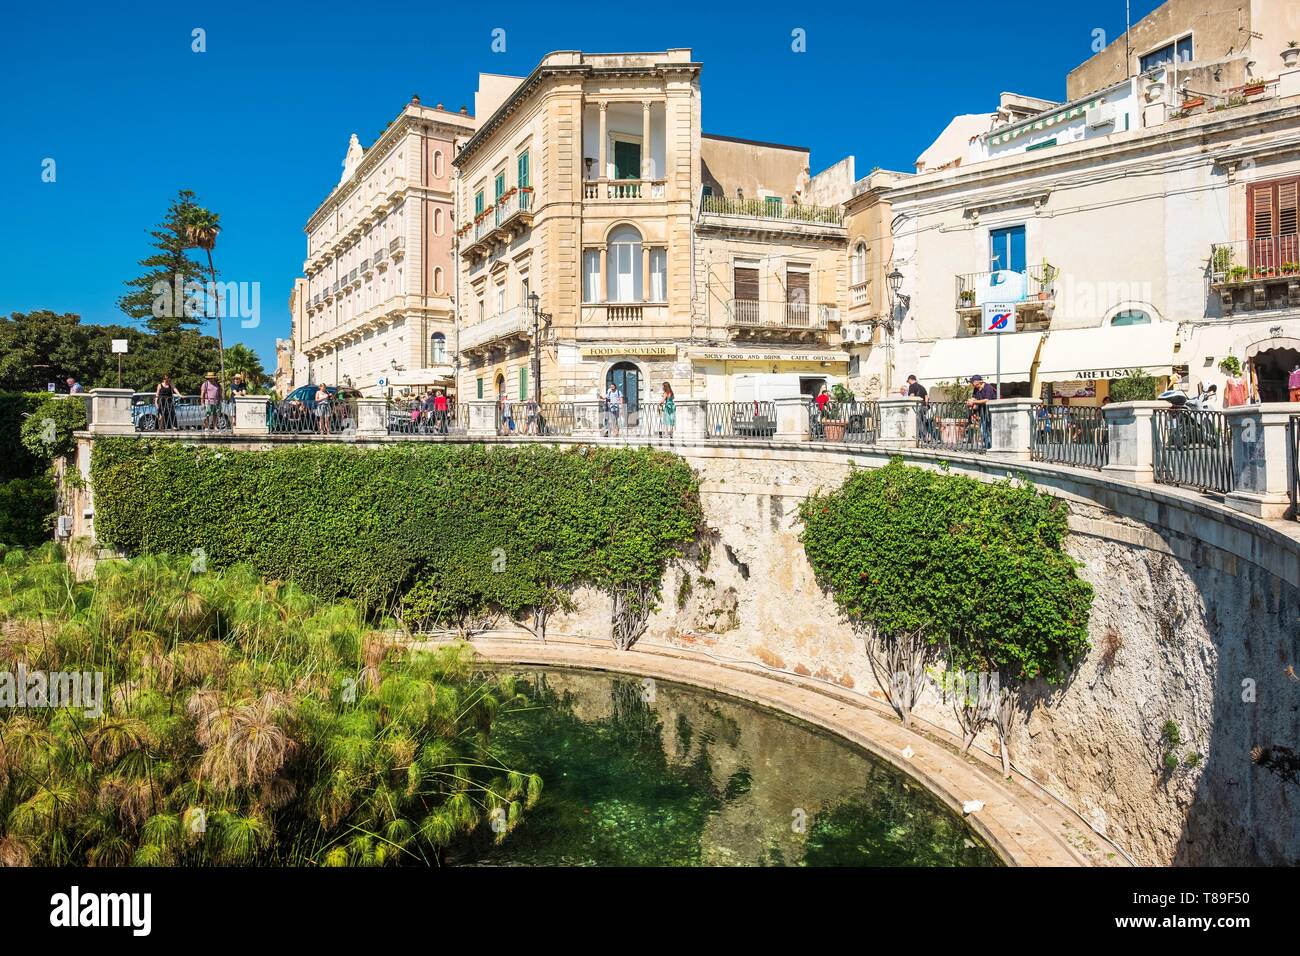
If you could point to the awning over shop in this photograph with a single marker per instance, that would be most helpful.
(959, 359)
(1107, 352)
(433, 375)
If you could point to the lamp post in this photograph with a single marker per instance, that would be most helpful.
(895, 282)
(540, 321)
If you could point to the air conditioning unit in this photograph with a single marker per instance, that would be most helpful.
(1102, 115)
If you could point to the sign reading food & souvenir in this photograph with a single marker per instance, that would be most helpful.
(606, 351)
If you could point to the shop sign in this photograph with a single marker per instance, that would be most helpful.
(725, 355)
(605, 351)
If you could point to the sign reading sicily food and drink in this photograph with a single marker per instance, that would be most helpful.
(999, 317)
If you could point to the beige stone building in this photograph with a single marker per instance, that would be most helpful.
(1145, 225)
(377, 310)
(656, 253)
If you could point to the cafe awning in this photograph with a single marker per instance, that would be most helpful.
(959, 359)
(1107, 352)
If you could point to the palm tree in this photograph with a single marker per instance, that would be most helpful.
(201, 228)
(242, 360)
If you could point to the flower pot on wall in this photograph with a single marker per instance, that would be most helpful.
(834, 430)
(1289, 57)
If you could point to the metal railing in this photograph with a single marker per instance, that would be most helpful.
(782, 314)
(955, 426)
(527, 417)
(1038, 280)
(1070, 435)
(741, 420)
(1193, 449)
(180, 414)
(306, 418)
(413, 418)
(1250, 260)
(762, 209)
(1293, 464)
(857, 422)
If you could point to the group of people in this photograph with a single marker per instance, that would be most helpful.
(211, 396)
(508, 424)
(430, 415)
(614, 411)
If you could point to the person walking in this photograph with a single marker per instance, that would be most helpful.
(440, 409)
(982, 393)
(164, 403)
(613, 406)
(210, 400)
(322, 409)
(669, 412)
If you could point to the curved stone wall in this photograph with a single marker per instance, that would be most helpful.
(1195, 621)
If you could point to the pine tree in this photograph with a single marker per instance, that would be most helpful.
(152, 298)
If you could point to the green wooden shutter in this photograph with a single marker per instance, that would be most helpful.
(478, 202)
(480, 386)
(500, 185)
(523, 384)
(523, 170)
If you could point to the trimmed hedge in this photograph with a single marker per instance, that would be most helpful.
(27, 495)
(976, 567)
(474, 529)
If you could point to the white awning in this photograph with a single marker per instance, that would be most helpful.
(1107, 352)
(433, 375)
(959, 359)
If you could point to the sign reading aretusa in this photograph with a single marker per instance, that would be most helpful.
(602, 351)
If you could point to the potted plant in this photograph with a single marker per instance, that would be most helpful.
(1291, 54)
(1155, 84)
(1290, 268)
(1049, 274)
(835, 419)
(1254, 86)
(967, 298)
(1238, 274)
(1231, 365)
(1192, 102)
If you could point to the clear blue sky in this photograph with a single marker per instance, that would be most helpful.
(258, 124)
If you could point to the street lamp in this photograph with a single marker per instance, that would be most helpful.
(540, 321)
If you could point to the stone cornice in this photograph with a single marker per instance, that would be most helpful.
(544, 72)
(406, 122)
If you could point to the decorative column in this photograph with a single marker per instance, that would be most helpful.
(1130, 428)
(250, 414)
(1261, 460)
(110, 411)
(603, 172)
(482, 418)
(792, 418)
(898, 417)
(1011, 422)
(602, 287)
(372, 418)
(645, 149)
(645, 271)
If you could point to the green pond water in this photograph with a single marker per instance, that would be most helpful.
(648, 773)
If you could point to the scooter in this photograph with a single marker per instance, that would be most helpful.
(1186, 427)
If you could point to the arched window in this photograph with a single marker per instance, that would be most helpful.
(623, 265)
(1131, 317)
(437, 349)
(437, 163)
(437, 279)
(437, 222)
(858, 265)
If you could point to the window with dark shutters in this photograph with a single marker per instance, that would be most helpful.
(1273, 221)
(747, 283)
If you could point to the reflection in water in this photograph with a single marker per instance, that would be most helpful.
(641, 773)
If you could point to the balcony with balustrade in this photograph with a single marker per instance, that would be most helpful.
(1254, 274)
(782, 320)
(1033, 291)
(497, 331)
(770, 217)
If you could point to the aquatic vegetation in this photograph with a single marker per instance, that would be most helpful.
(239, 722)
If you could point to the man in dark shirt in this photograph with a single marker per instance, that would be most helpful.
(983, 394)
(915, 389)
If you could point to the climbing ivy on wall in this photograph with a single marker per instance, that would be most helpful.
(451, 533)
(976, 568)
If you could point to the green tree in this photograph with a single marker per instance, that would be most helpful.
(153, 297)
(1136, 387)
(241, 360)
(201, 228)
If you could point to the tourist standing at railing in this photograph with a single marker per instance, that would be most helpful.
(613, 409)
(982, 394)
(322, 409)
(669, 412)
(164, 402)
(238, 386)
(210, 399)
(530, 417)
(440, 409)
